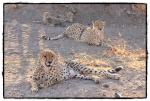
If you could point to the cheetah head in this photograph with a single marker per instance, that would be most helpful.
(46, 14)
(98, 24)
(70, 14)
(47, 57)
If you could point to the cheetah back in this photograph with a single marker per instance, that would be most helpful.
(74, 31)
(92, 36)
(95, 34)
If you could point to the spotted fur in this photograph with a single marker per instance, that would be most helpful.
(50, 70)
(82, 33)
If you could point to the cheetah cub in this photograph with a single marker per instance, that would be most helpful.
(50, 70)
(49, 20)
(70, 17)
(91, 35)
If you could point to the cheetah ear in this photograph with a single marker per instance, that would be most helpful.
(104, 22)
(39, 53)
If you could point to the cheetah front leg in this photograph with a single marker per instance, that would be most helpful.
(48, 82)
(34, 81)
(34, 84)
(34, 87)
(31, 80)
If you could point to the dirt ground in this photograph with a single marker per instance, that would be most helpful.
(22, 44)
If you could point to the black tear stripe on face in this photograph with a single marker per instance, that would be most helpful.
(46, 60)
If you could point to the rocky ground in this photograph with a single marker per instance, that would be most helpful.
(22, 44)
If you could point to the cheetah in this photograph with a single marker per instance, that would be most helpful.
(70, 17)
(50, 70)
(48, 19)
(93, 35)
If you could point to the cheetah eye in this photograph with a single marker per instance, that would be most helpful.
(52, 55)
(45, 56)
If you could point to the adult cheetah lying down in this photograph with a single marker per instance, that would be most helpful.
(82, 33)
(50, 70)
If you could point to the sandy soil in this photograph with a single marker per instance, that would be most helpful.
(22, 45)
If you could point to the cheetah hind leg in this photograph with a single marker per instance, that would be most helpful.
(75, 74)
(96, 79)
(85, 70)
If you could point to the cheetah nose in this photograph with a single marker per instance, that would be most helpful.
(49, 62)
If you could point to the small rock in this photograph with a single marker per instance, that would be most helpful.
(139, 87)
(72, 52)
(128, 12)
(30, 55)
(104, 95)
(106, 85)
(118, 95)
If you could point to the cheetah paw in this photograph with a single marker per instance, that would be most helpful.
(117, 77)
(97, 80)
(42, 86)
(44, 37)
(34, 90)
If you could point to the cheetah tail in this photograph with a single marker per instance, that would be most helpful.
(117, 69)
(54, 38)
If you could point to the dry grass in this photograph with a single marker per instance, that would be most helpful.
(123, 52)
(139, 7)
(90, 60)
(120, 53)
